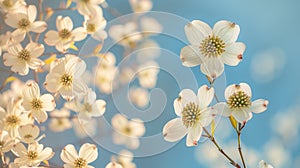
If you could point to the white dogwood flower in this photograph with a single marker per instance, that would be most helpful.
(88, 8)
(87, 154)
(65, 36)
(12, 6)
(212, 48)
(127, 132)
(21, 59)
(141, 5)
(33, 155)
(239, 104)
(29, 133)
(263, 164)
(95, 27)
(60, 120)
(139, 97)
(193, 114)
(65, 78)
(37, 104)
(6, 142)
(147, 74)
(25, 22)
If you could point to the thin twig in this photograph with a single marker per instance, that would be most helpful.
(239, 145)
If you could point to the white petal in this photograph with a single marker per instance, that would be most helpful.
(79, 87)
(88, 152)
(79, 34)
(48, 102)
(188, 96)
(19, 150)
(205, 96)
(100, 108)
(38, 26)
(222, 109)
(259, 106)
(18, 35)
(230, 90)
(246, 89)
(178, 106)
(9, 59)
(242, 115)
(212, 67)
(69, 154)
(138, 127)
(196, 31)
(206, 117)
(194, 135)
(51, 37)
(64, 23)
(31, 90)
(46, 154)
(13, 19)
(119, 121)
(190, 56)
(40, 115)
(227, 31)
(90, 97)
(75, 66)
(31, 12)
(35, 63)
(233, 54)
(174, 130)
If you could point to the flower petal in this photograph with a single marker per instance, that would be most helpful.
(190, 56)
(79, 34)
(51, 37)
(64, 23)
(194, 135)
(205, 96)
(206, 117)
(69, 154)
(38, 26)
(196, 31)
(100, 108)
(188, 96)
(212, 67)
(48, 102)
(31, 90)
(242, 115)
(233, 54)
(222, 109)
(246, 88)
(88, 152)
(31, 12)
(174, 130)
(227, 31)
(178, 106)
(259, 106)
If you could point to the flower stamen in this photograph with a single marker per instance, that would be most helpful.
(64, 34)
(239, 100)
(23, 24)
(212, 46)
(190, 114)
(80, 163)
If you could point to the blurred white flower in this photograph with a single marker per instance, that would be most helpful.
(84, 128)
(139, 97)
(147, 74)
(33, 155)
(88, 8)
(212, 48)
(29, 133)
(263, 164)
(6, 142)
(21, 59)
(95, 27)
(15, 92)
(268, 64)
(141, 5)
(66, 36)
(126, 35)
(87, 154)
(60, 120)
(276, 152)
(125, 159)
(126, 75)
(147, 51)
(12, 6)
(25, 22)
(193, 114)
(5, 41)
(127, 132)
(37, 104)
(150, 26)
(65, 78)
(239, 104)
(113, 165)
(13, 118)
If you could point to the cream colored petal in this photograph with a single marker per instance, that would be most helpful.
(178, 106)
(196, 31)
(233, 54)
(174, 130)
(40, 115)
(88, 152)
(222, 109)
(31, 12)
(64, 23)
(79, 34)
(259, 106)
(194, 135)
(48, 102)
(242, 115)
(38, 26)
(212, 67)
(69, 154)
(191, 56)
(205, 96)
(51, 38)
(188, 96)
(31, 90)
(227, 31)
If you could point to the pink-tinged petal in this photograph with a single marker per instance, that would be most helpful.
(194, 135)
(9, 59)
(212, 67)
(79, 34)
(31, 90)
(191, 56)
(119, 121)
(205, 96)
(233, 54)
(19, 150)
(174, 130)
(31, 12)
(178, 106)
(222, 109)
(18, 35)
(35, 63)
(259, 106)
(246, 89)
(63, 46)
(48, 102)
(35, 49)
(67, 93)
(69, 154)
(188, 96)
(12, 19)
(88, 152)
(51, 38)
(196, 31)
(64, 23)
(20, 67)
(40, 115)
(227, 31)
(242, 115)
(38, 26)
(100, 107)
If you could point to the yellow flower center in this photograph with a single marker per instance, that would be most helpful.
(28, 136)
(24, 55)
(66, 80)
(239, 100)
(212, 46)
(23, 24)
(32, 155)
(190, 114)
(127, 131)
(64, 34)
(91, 28)
(7, 3)
(36, 104)
(80, 163)
(12, 120)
